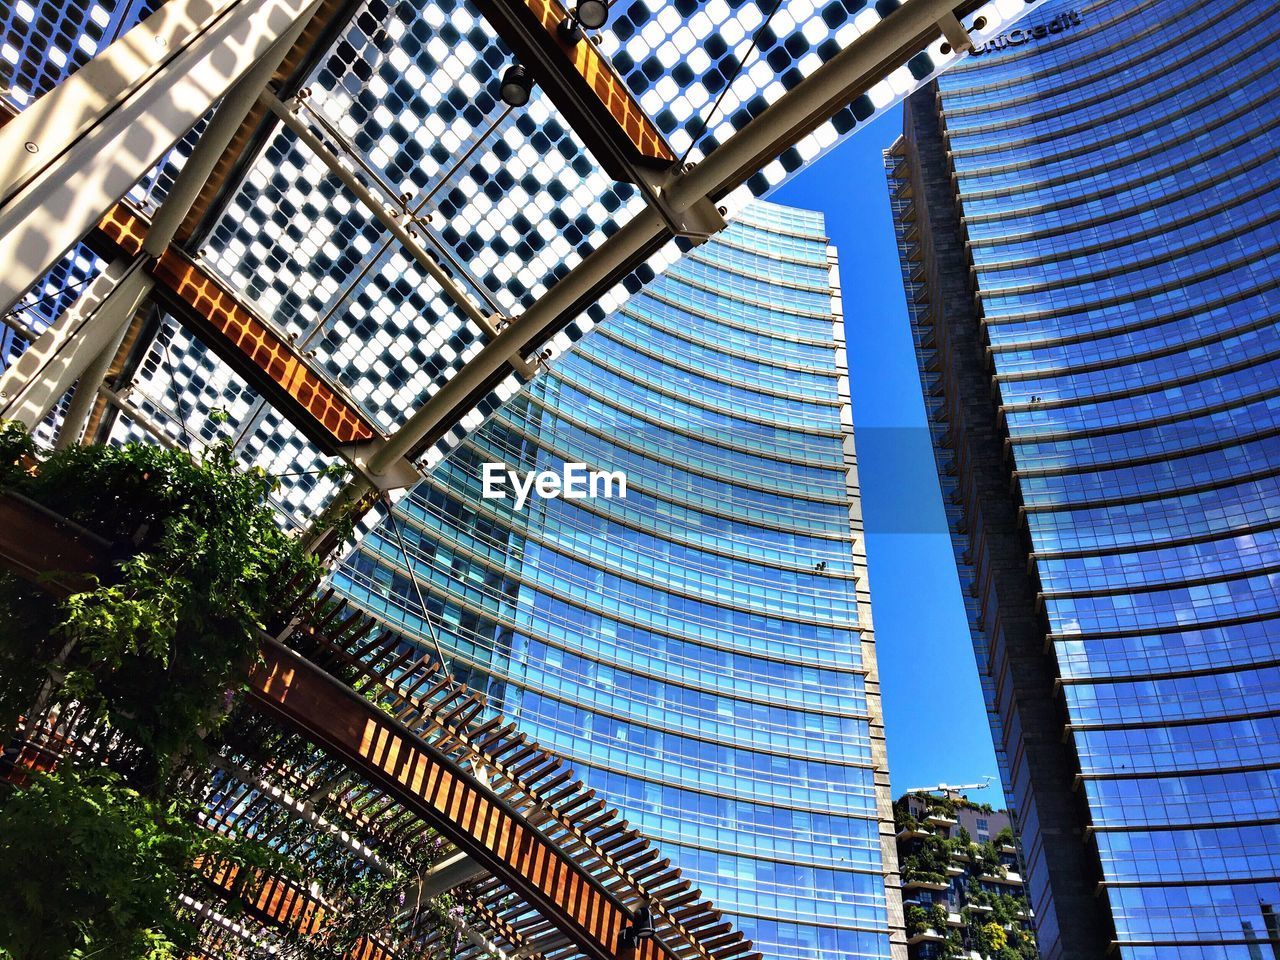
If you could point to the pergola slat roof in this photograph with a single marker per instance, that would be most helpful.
(423, 753)
(442, 719)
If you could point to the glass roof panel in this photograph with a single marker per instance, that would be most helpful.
(45, 42)
(509, 201)
(313, 261)
(192, 398)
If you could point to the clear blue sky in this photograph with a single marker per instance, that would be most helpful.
(934, 716)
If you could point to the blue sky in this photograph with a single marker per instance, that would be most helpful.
(934, 716)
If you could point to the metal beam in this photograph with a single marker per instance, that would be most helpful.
(813, 101)
(209, 149)
(90, 381)
(634, 239)
(817, 98)
(444, 876)
(443, 793)
(270, 364)
(94, 323)
(79, 148)
(583, 85)
(138, 417)
(452, 289)
(11, 321)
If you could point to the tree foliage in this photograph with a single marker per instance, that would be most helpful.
(159, 648)
(91, 867)
(993, 918)
(92, 859)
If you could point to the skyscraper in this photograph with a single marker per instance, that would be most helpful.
(702, 650)
(1092, 259)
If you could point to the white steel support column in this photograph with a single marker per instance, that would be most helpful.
(94, 323)
(217, 136)
(78, 149)
(87, 384)
(227, 118)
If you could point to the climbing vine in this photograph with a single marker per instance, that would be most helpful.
(92, 867)
(93, 858)
(157, 649)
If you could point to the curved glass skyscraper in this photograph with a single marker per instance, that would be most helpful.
(702, 649)
(1091, 242)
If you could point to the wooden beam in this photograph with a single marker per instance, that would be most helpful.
(446, 795)
(232, 330)
(583, 85)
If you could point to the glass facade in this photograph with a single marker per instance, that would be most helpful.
(1120, 216)
(701, 650)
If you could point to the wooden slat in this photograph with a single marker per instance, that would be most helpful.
(233, 331)
(286, 686)
(45, 551)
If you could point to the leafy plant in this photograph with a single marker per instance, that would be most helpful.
(158, 649)
(91, 867)
(986, 859)
(993, 922)
(928, 860)
(990, 939)
(155, 654)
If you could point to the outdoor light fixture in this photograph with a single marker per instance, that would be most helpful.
(517, 86)
(570, 30)
(639, 929)
(591, 14)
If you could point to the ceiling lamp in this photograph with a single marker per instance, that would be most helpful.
(592, 14)
(640, 928)
(517, 86)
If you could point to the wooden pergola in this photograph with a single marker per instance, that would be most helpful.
(407, 756)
